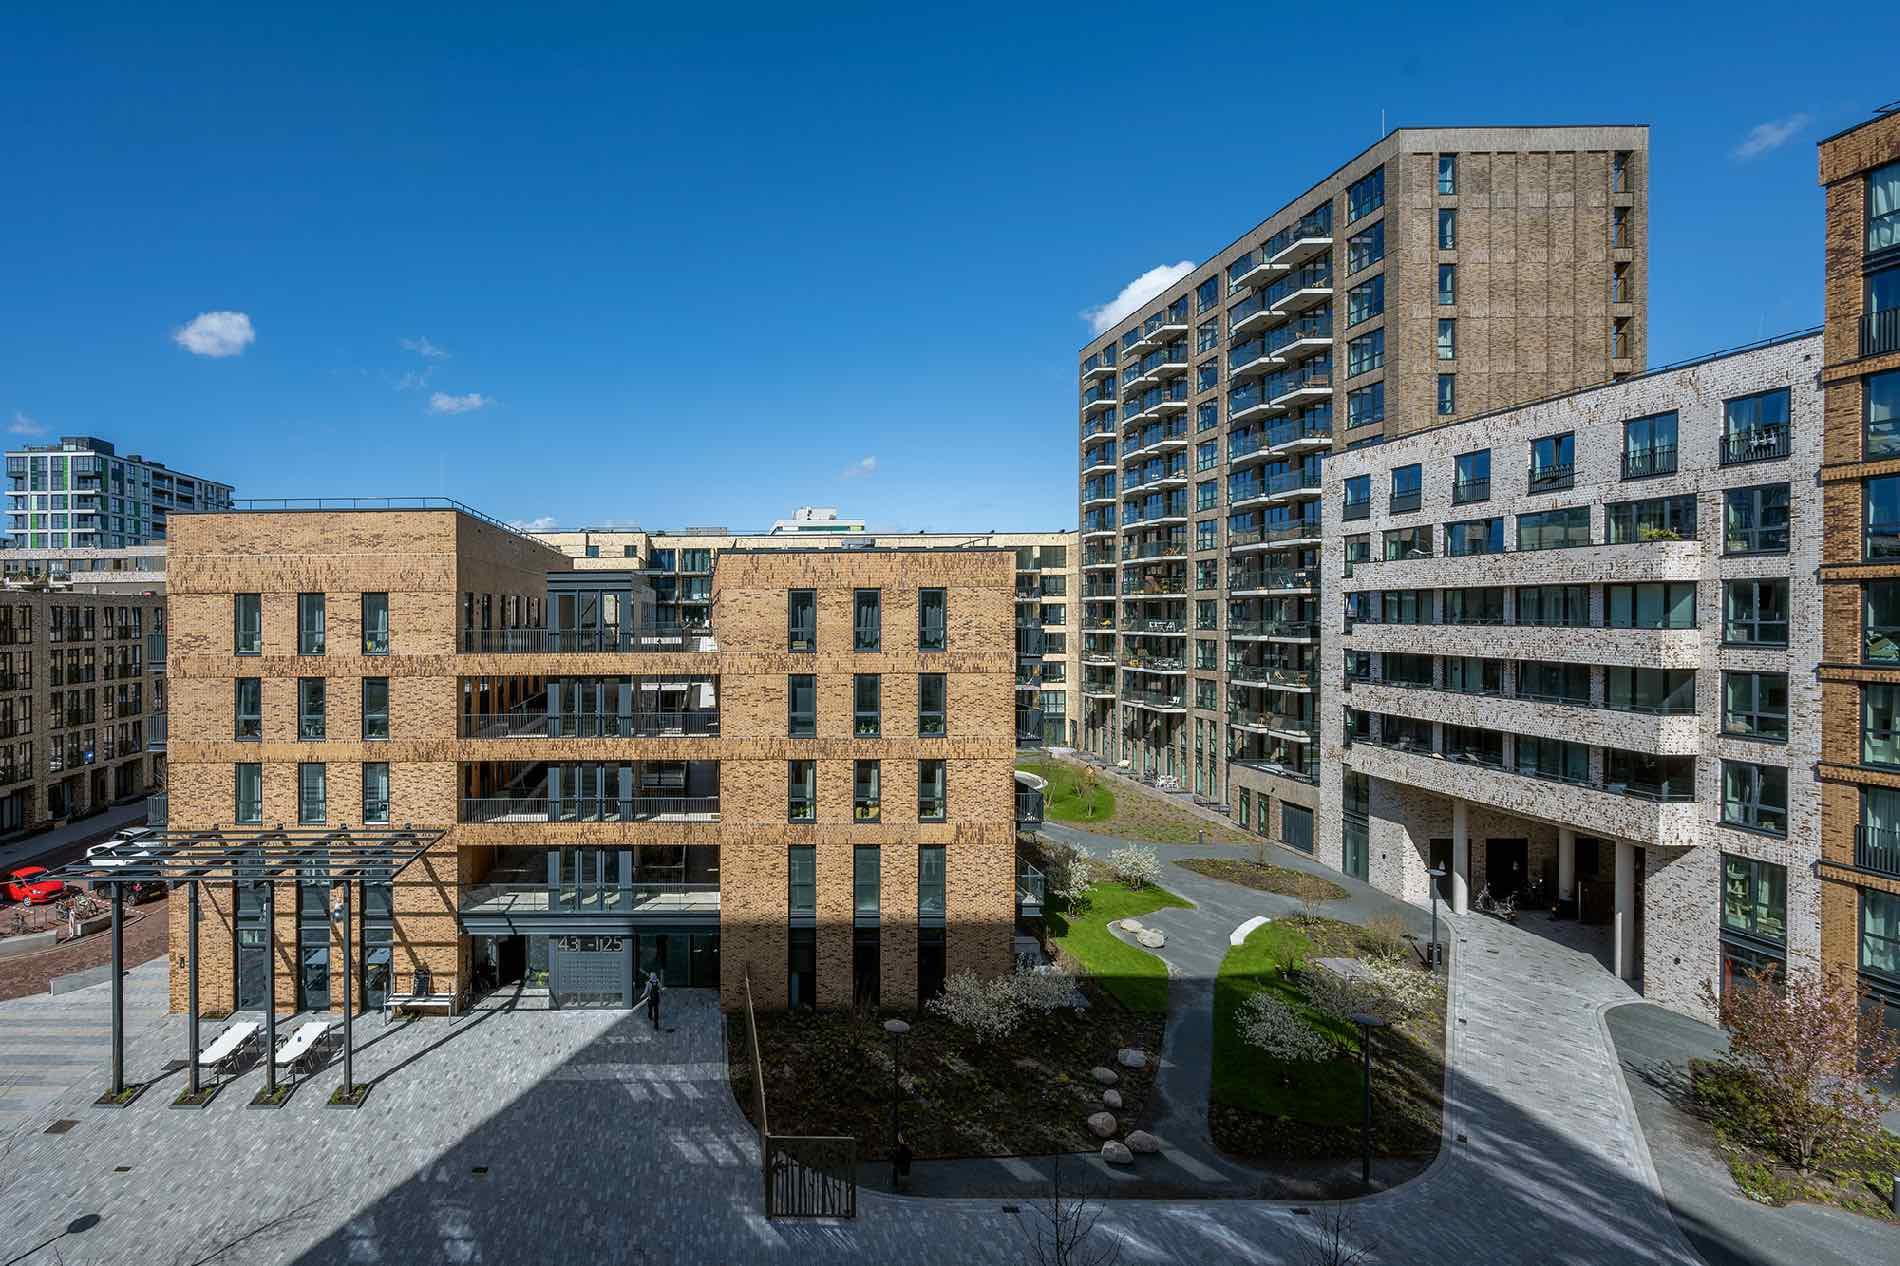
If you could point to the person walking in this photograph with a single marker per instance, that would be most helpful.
(653, 998)
(900, 1164)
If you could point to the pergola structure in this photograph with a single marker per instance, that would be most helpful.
(245, 855)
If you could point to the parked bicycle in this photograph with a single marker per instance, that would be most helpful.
(1504, 908)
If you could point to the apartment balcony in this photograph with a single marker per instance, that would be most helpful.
(1297, 680)
(1096, 368)
(1104, 425)
(608, 639)
(536, 723)
(1098, 492)
(504, 902)
(1248, 582)
(1029, 808)
(1301, 242)
(1280, 536)
(1099, 622)
(1029, 881)
(1294, 485)
(1094, 403)
(1155, 441)
(1302, 289)
(156, 728)
(1155, 368)
(1310, 382)
(1274, 630)
(1297, 340)
(1155, 700)
(1098, 689)
(1877, 849)
(1248, 401)
(1097, 459)
(1170, 665)
(491, 809)
(1288, 727)
(1252, 270)
(1150, 585)
(1251, 359)
(1099, 658)
(1105, 558)
(155, 652)
(1250, 314)
(1880, 333)
(1098, 527)
(1757, 444)
(1246, 447)
(1152, 551)
(1154, 628)
(1299, 435)
(1028, 727)
(1161, 516)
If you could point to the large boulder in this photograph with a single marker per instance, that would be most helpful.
(1117, 1154)
(1142, 1141)
(1102, 1124)
(1131, 925)
(1152, 938)
(1129, 1057)
(1112, 1099)
(1107, 1076)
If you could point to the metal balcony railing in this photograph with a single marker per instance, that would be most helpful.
(1642, 463)
(590, 809)
(1880, 333)
(612, 638)
(1466, 491)
(634, 898)
(1028, 806)
(157, 808)
(1273, 628)
(1030, 889)
(1756, 444)
(1877, 849)
(538, 724)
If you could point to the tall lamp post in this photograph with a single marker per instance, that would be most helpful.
(1437, 873)
(1367, 1022)
(898, 1030)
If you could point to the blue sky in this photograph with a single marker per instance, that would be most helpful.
(608, 265)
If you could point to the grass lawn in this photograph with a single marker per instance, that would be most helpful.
(1263, 876)
(1264, 1109)
(1079, 796)
(1135, 977)
(829, 1073)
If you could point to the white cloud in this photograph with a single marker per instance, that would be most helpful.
(1136, 293)
(1771, 135)
(443, 402)
(415, 379)
(216, 334)
(541, 523)
(23, 425)
(859, 469)
(424, 348)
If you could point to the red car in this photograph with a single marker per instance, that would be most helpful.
(32, 886)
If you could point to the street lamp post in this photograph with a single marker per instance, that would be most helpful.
(898, 1030)
(1367, 1022)
(1437, 873)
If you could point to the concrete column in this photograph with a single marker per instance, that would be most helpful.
(1460, 857)
(1625, 910)
(1566, 863)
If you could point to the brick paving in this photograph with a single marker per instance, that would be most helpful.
(145, 939)
(523, 1136)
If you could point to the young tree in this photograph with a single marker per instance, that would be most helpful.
(1333, 1241)
(1277, 1031)
(1811, 1052)
(1136, 865)
(1059, 1229)
(1311, 892)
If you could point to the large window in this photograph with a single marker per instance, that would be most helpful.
(375, 624)
(1447, 175)
(310, 622)
(1667, 691)
(866, 794)
(1555, 759)
(1553, 462)
(1554, 606)
(930, 791)
(801, 791)
(1755, 520)
(1476, 536)
(865, 885)
(1411, 542)
(1447, 343)
(1447, 394)
(1473, 606)
(1554, 529)
(1649, 777)
(1471, 477)
(1755, 796)
(1883, 516)
(1365, 300)
(1754, 898)
(250, 794)
(1657, 519)
(1880, 621)
(1554, 683)
(930, 705)
(313, 794)
(1755, 705)
(1367, 352)
(1365, 195)
(375, 707)
(1879, 727)
(310, 709)
(1405, 606)
(1447, 285)
(1365, 405)
(376, 791)
(1468, 674)
(801, 620)
(801, 696)
(1755, 612)
(867, 712)
(1407, 487)
(1447, 228)
(247, 624)
(1649, 446)
(248, 720)
(1883, 208)
(1655, 605)
(1365, 247)
(1755, 427)
(1880, 934)
(1356, 500)
(867, 620)
(802, 879)
(930, 885)
(1880, 411)
(931, 626)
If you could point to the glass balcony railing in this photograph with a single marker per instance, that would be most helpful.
(1134, 585)
(1290, 629)
(1310, 326)
(1294, 430)
(590, 809)
(1315, 275)
(1245, 443)
(1243, 313)
(1168, 699)
(617, 638)
(1318, 373)
(536, 723)
(1154, 549)
(1285, 579)
(1316, 223)
(1246, 353)
(1100, 392)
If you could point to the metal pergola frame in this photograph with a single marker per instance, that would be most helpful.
(238, 855)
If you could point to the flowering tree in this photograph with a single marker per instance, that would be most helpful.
(1136, 865)
(1067, 874)
(1811, 1052)
(994, 1008)
(1389, 988)
(1268, 1023)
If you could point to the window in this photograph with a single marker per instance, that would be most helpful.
(867, 620)
(1207, 294)
(1880, 933)
(1620, 346)
(1359, 548)
(1657, 519)
(1207, 334)
(1880, 410)
(1365, 300)
(930, 885)
(930, 805)
(1620, 290)
(1447, 394)
(1756, 520)
(1552, 461)
(1447, 175)
(375, 624)
(1755, 427)
(375, 707)
(313, 793)
(1357, 497)
(1664, 691)
(1474, 536)
(866, 710)
(801, 791)
(247, 624)
(801, 620)
(1555, 759)
(1405, 670)
(310, 710)
(1296, 826)
(1654, 605)
(1207, 453)
(1207, 494)
(1649, 777)
(1206, 534)
(1365, 195)
(1447, 229)
(1755, 612)
(1555, 683)
(1620, 171)
(1405, 606)
(1365, 247)
(932, 606)
(310, 624)
(1554, 529)
(802, 875)
(250, 794)
(1649, 446)
(864, 791)
(376, 791)
(1207, 375)
(801, 694)
(1407, 483)
(1447, 338)
(1473, 606)
(1412, 542)
(1882, 497)
(1365, 405)
(1755, 796)
(1471, 477)
(1447, 285)
(1470, 675)
(1207, 415)
(1755, 705)
(1883, 208)
(1622, 227)
(1879, 731)
(1754, 898)
(930, 705)
(1367, 352)
(249, 710)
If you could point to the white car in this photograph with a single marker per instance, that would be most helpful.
(122, 848)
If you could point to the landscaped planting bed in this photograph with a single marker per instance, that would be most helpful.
(1264, 876)
(1081, 797)
(1136, 978)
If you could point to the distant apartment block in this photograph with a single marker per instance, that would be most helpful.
(1860, 560)
(1569, 652)
(1048, 584)
(81, 494)
(1441, 274)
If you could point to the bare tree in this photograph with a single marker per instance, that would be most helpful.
(1335, 1241)
(1059, 1229)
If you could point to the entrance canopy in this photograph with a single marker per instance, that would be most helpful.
(252, 854)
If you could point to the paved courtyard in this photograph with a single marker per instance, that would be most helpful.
(520, 1136)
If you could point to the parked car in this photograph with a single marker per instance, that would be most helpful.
(123, 848)
(34, 886)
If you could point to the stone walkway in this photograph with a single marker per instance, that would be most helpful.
(48, 1042)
